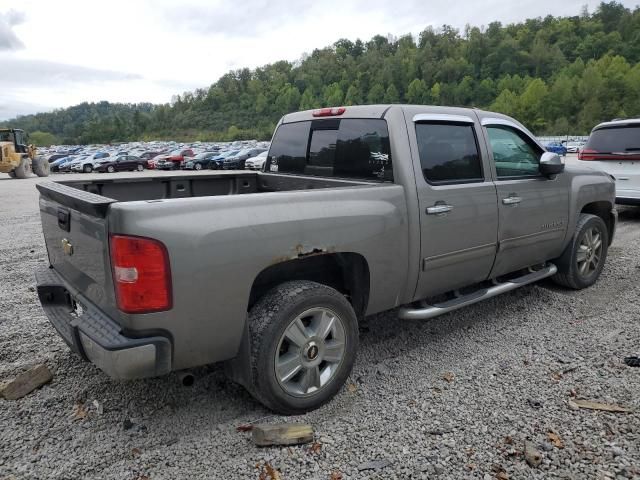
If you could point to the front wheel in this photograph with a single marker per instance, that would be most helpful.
(87, 168)
(304, 338)
(581, 263)
(140, 167)
(23, 170)
(198, 166)
(111, 169)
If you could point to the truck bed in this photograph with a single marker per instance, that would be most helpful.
(198, 185)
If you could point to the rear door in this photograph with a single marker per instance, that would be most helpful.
(457, 201)
(534, 209)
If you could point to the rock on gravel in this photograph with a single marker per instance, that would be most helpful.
(511, 361)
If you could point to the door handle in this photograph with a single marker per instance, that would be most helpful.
(439, 209)
(512, 200)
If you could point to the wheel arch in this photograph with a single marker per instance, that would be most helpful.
(602, 209)
(346, 272)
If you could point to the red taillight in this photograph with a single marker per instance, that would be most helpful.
(141, 274)
(587, 154)
(329, 112)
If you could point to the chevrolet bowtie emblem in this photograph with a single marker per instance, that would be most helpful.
(67, 247)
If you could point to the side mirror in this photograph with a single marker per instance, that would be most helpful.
(551, 164)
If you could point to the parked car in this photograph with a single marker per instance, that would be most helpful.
(66, 166)
(87, 164)
(57, 164)
(574, 147)
(392, 206)
(218, 162)
(556, 147)
(121, 163)
(148, 155)
(237, 161)
(56, 156)
(151, 164)
(614, 147)
(200, 161)
(174, 160)
(257, 162)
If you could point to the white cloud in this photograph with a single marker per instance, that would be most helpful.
(149, 50)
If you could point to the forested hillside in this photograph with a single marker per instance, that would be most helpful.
(556, 75)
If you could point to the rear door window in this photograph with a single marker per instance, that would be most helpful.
(448, 153)
(345, 148)
(615, 139)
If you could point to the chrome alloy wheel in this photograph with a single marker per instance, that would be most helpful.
(589, 252)
(310, 352)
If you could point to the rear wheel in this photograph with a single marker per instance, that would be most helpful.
(24, 169)
(583, 260)
(140, 167)
(304, 338)
(198, 166)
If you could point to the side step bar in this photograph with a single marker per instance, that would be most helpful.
(430, 311)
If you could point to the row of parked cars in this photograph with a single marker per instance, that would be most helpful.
(138, 157)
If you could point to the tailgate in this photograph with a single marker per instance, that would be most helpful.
(74, 223)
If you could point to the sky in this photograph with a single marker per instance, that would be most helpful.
(60, 53)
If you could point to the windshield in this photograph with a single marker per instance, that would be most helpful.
(615, 139)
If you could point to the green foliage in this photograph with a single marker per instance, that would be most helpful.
(43, 139)
(555, 74)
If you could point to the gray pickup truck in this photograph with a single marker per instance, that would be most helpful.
(358, 210)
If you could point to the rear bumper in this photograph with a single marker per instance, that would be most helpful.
(96, 337)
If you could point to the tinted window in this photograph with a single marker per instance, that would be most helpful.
(514, 154)
(288, 152)
(618, 139)
(347, 148)
(448, 153)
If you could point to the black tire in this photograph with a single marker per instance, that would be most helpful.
(140, 167)
(569, 274)
(41, 167)
(197, 166)
(270, 318)
(12, 174)
(111, 169)
(88, 168)
(24, 169)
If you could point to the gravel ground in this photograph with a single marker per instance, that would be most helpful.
(455, 397)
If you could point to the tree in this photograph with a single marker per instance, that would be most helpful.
(376, 94)
(417, 92)
(391, 95)
(43, 139)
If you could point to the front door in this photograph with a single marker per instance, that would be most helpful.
(457, 201)
(533, 209)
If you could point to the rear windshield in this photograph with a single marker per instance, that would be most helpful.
(345, 148)
(615, 139)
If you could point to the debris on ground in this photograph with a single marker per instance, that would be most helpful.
(282, 434)
(267, 472)
(632, 361)
(374, 464)
(555, 439)
(26, 382)
(589, 405)
(531, 454)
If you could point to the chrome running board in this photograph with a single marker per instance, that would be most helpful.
(430, 311)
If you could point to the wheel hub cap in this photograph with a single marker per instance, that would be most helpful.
(589, 252)
(310, 352)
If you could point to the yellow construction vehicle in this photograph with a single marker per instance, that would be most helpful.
(16, 158)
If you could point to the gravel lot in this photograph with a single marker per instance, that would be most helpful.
(455, 397)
